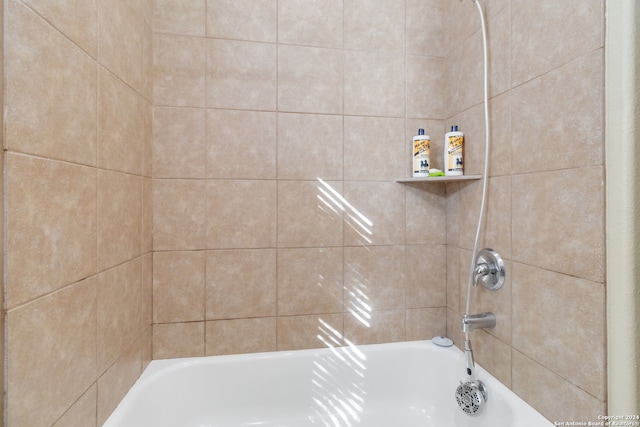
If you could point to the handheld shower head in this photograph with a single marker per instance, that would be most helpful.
(471, 395)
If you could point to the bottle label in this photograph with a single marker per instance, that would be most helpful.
(454, 151)
(421, 155)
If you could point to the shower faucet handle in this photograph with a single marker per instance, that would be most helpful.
(489, 270)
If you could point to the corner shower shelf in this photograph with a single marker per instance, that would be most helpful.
(440, 179)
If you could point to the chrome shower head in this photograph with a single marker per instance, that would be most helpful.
(471, 397)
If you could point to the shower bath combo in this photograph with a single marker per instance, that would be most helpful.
(487, 268)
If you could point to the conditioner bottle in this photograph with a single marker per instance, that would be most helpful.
(421, 154)
(453, 152)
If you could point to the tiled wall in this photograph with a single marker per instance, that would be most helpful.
(279, 127)
(78, 199)
(545, 212)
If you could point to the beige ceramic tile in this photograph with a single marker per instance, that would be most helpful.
(564, 106)
(121, 40)
(241, 283)
(147, 215)
(254, 20)
(309, 214)
(52, 341)
(83, 412)
(179, 142)
(182, 17)
(310, 146)
(425, 87)
(45, 71)
(172, 340)
(314, 331)
(560, 212)
(375, 214)
(427, 32)
(51, 226)
(233, 82)
(257, 334)
(537, 28)
(453, 328)
(453, 214)
(310, 281)
(310, 79)
(374, 148)
(119, 218)
(178, 214)
(119, 314)
(374, 91)
(374, 24)
(374, 279)
(383, 327)
(241, 144)
(178, 286)
(119, 378)
(426, 276)
(551, 395)
(569, 314)
(493, 355)
(121, 126)
(147, 149)
(147, 62)
(426, 214)
(311, 22)
(453, 278)
(426, 323)
(147, 291)
(452, 83)
(241, 214)
(76, 19)
(178, 71)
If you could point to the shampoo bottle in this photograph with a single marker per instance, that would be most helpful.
(453, 151)
(421, 154)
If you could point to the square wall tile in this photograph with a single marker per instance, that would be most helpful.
(310, 281)
(121, 125)
(83, 412)
(179, 142)
(427, 33)
(76, 19)
(241, 144)
(537, 27)
(426, 323)
(179, 214)
(180, 17)
(313, 331)
(426, 214)
(179, 71)
(234, 82)
(45, 71)
(172, 340)
(374, 148)
(374, 24)
(254, 20)
(241, 214)
(119, 218)
(560, 212)
(570, 313)
(374, 83)
(120, 40)
(258, 335)
(119, 315)
(309, 213)
(52, 341)
(51, 226)
(426, 276)
(310, 79)
(375, 214)
(310, 146)
(374, 280)
(241, 283)
(538, 107)
(311, 22)
(425, 87)
(382, 327)
(178, 286)
(116, 382)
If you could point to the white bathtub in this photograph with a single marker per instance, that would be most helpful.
(386, 385)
